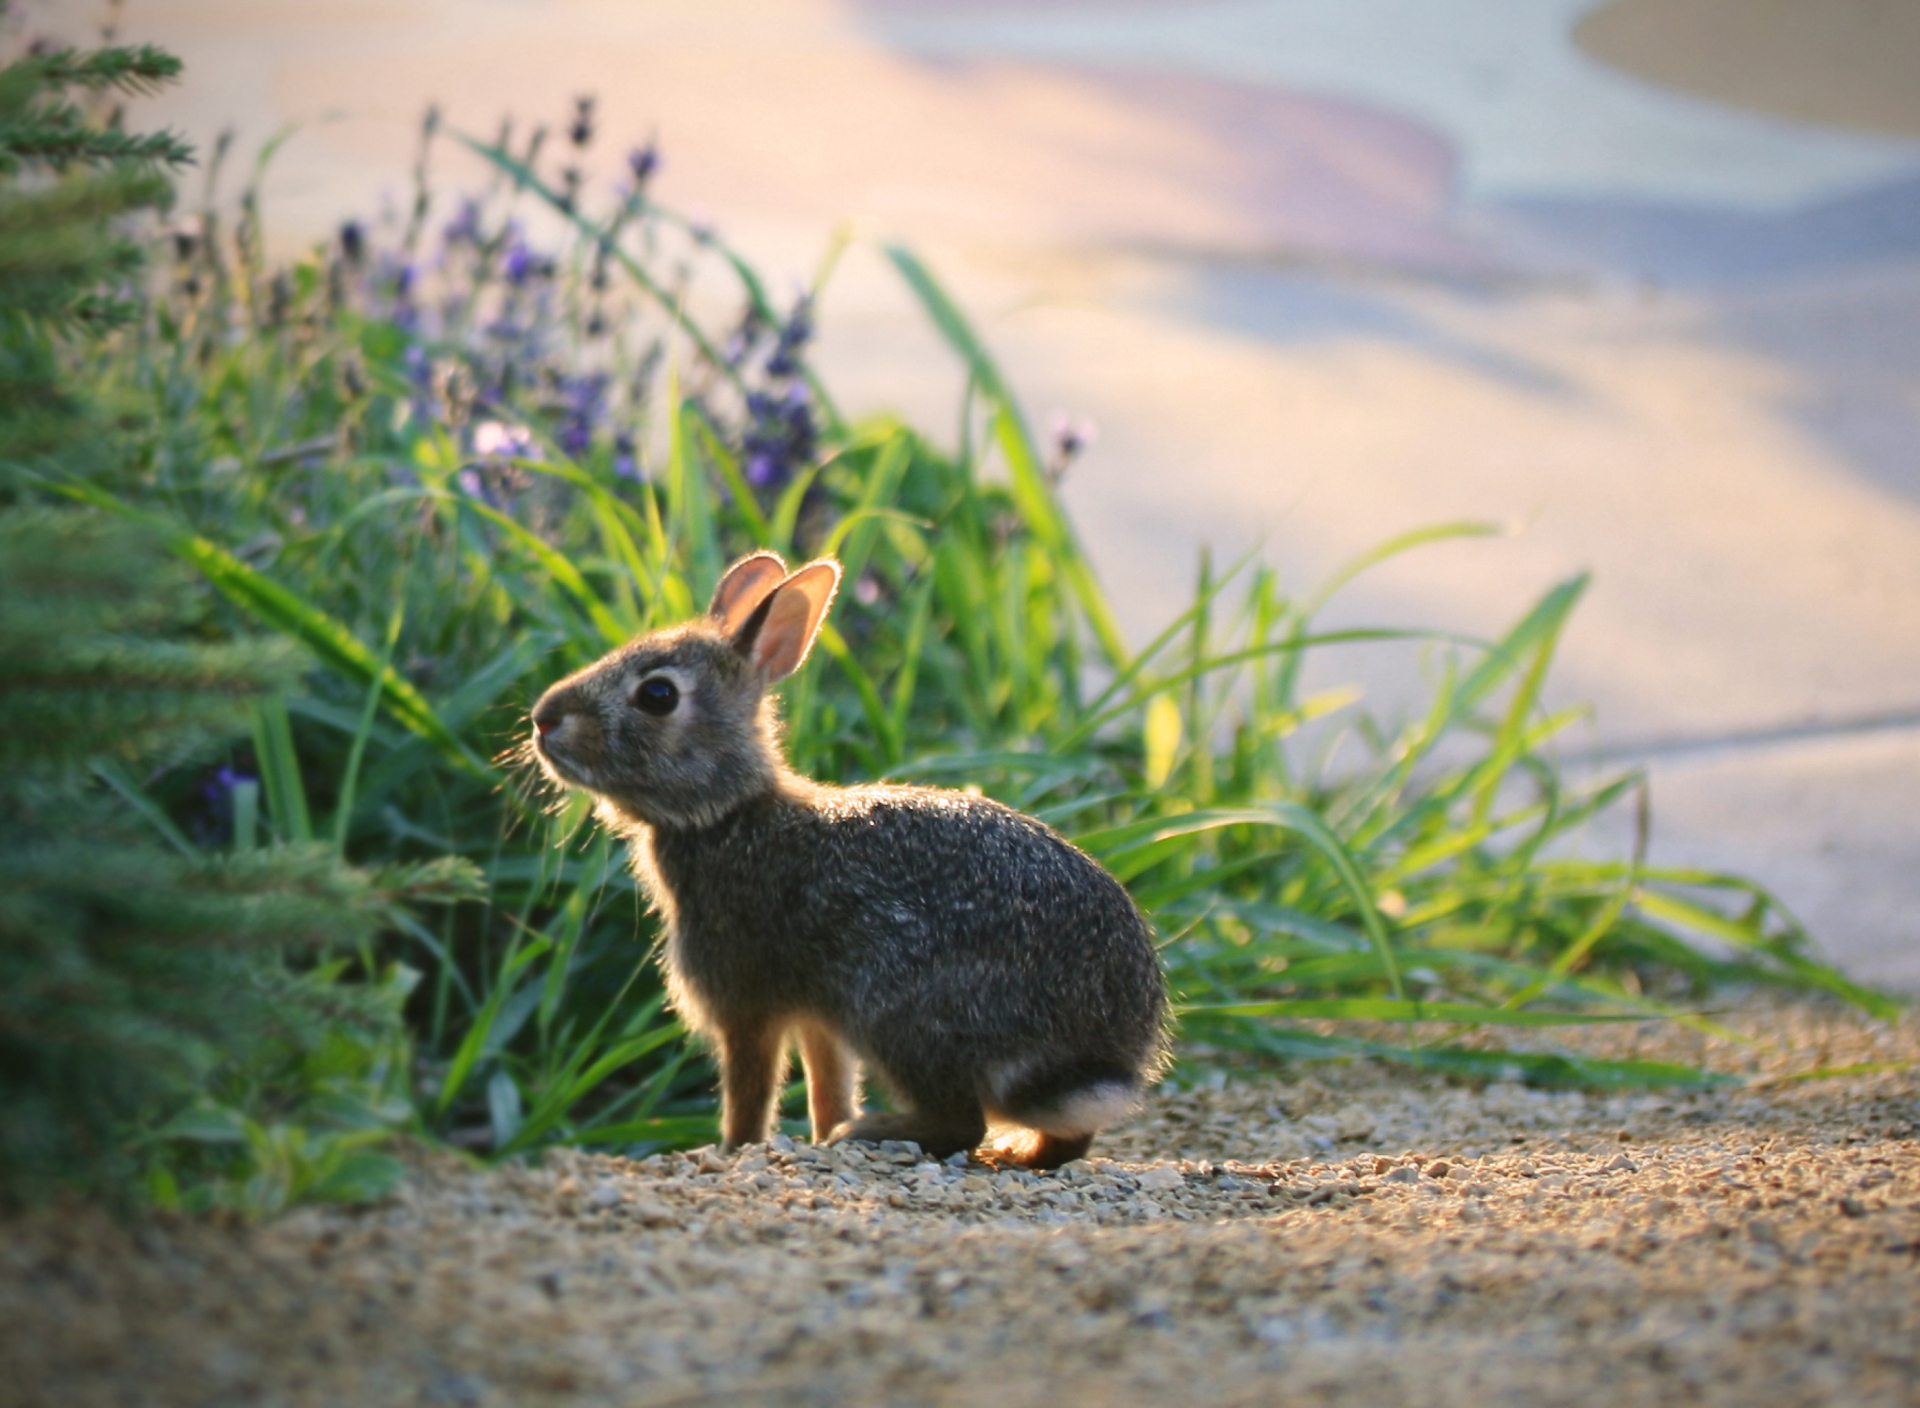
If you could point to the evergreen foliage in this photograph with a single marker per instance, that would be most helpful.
(89, 613)
(135, 968)
(64, 182)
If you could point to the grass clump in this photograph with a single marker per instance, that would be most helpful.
(460, 453)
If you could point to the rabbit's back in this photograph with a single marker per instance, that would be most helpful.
(911, 917)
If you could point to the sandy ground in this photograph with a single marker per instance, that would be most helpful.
(1344, 1237)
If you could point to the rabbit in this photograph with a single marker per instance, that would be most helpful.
(964, 954)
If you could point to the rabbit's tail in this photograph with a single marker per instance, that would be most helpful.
(1071, 1101)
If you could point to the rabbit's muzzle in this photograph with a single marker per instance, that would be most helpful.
(561, 738)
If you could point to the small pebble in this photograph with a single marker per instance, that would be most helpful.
(1161, 1178)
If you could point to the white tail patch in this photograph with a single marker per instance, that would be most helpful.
(1087, 1110)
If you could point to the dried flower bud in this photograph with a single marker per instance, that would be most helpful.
(1068, 440)
(580, 130)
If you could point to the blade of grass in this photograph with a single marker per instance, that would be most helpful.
(1805, 970)
(114, 773)
(1030, 486)
(280, 770)
(343, 810)
(484, 1035)
(1377, 1009)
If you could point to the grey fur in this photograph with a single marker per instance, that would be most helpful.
(975, 962)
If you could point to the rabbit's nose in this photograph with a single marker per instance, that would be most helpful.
(547, 718)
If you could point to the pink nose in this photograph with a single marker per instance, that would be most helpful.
(545, 721)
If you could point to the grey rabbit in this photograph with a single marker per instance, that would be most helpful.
(978, 965)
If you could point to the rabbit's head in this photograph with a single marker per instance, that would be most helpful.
(675, 729)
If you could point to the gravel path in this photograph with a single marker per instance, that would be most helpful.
(1353, 1237)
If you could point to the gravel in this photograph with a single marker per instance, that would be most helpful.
(1356, 1236)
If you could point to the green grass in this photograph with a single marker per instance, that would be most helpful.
(308, 439)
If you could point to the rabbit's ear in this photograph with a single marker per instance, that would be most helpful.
(747, 583)
(776, 637)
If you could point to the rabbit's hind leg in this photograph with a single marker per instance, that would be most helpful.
(1035, 1148)
(939, 1132)
(833, 1079)
(753, 1062)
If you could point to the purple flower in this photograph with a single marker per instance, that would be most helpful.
(524, 263)
(464, 228)
(353, 241)
(474, 485)
(219, 787)
(626, 462)
(520, 263)
(742, 340)
(780, 435)
(798, 331)
(396, 279)
(218, 794)
(643, 162)
(582, 406)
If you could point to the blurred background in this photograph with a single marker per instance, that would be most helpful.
(1639, 279)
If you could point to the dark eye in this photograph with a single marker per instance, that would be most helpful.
(656, 696)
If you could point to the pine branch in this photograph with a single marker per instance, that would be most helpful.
(50, 278)
(136, 71)
(98, 198)
(38, 129)
(58, 138)
(85, 609)
(127, 977)
(95, 314)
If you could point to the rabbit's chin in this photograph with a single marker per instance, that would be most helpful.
(628, 814)
(564, 772)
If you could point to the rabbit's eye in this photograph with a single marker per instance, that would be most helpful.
(656, 696)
